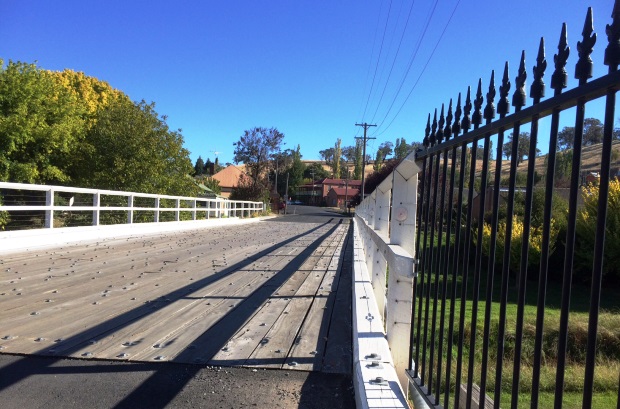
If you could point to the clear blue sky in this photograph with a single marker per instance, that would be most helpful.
(216, 68)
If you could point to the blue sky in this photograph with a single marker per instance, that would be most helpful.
(216, 68)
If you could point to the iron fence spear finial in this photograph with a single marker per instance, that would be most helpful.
(489, 109)
(612, 52)
(560, 77)
(434, 129)
(440, 124)
(537, 90)
(518, 98)
(583, 69)
(456, 127)
(503, 105)
(476, 118)
(448, 129)
(427, 132)
(466, 124)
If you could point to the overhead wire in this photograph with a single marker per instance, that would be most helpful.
(408, 70)
(378, 60)
(372, 53)
(421, 73)
(393, 61)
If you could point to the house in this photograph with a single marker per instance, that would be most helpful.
(316, 193)
(340, 196)
(228, 178)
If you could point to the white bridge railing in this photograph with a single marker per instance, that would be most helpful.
(50, 206)
(385, 226)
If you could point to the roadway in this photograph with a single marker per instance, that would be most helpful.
(199, 318)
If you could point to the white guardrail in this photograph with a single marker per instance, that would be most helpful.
(43, 210)
(384, 234)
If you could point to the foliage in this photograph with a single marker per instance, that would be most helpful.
(359, 153)
(129, 148)
(296, 171)
(592, 134)
(41, 122)
(559, 211)
(523, 147)
(254, 148)
(4, 217)
(199, 167)
(337, 169)
(384, 150)
(315, 171)
(247, 189)
(535, 242)
(401, 148)
(586, 229)
(69, 128)
(209, 182)
(375, 178)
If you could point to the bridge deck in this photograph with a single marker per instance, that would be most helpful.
(268, 295)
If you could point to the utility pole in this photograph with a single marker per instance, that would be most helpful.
(365, 126)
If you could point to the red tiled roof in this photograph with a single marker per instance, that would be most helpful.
(341, 191)
(229, 176)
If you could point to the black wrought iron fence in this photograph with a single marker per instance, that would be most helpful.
(508, 306)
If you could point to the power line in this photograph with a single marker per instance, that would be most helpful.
(411, 60)
(394, 61)
(421, 73)
(378, 60)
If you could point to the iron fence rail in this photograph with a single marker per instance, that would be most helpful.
(451, 233)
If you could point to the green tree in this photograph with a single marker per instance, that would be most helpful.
(199, 167)
(41, 123)
(255, 148)
(592, 134)
(401, 148)
(336, 162)
(130, 148)
(586, 230)
(212, 184)
(384, 150)
(315, 170)
(359, 153)
(296, 171)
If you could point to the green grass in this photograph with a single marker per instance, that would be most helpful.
(608, 343)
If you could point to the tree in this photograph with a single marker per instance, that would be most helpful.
(255, 148)
(357, 170)
(592, 134)
(212, 184)
(130, 148)
(401, 148)
(523, 148)
(384, 150)
(296, 171)
(336, 161)
(315, 171)
(41, 123)
(199, 167)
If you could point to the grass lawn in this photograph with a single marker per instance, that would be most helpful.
(606, 380)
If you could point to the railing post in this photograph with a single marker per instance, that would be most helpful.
(379, 264)
(177, 212)
(130, 209)
(156, 216)
(194, 211)
(400, 283)
(96, 208)
(49, 213)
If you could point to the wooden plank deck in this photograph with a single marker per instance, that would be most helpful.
(260, 295)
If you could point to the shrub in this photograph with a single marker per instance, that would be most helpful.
(535, 241)
(586, 229)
